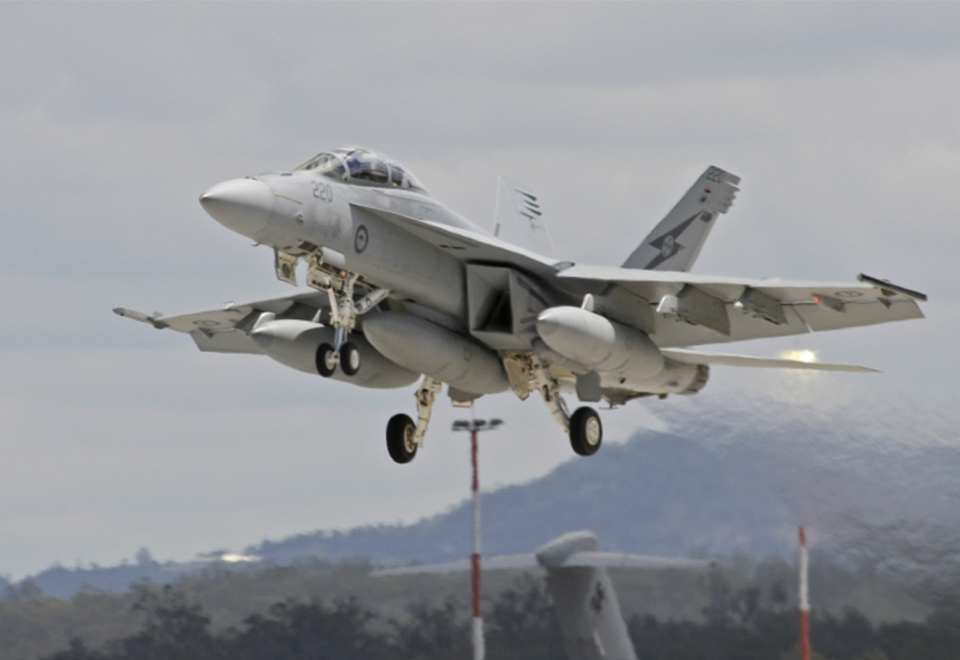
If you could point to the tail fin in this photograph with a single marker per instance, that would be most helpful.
(520, 219)
(583, 596)
(584, 601)
(675, 243)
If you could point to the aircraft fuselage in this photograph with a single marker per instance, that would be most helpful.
(308, 211)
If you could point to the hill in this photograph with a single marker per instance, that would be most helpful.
(878, 488)
(657, 494)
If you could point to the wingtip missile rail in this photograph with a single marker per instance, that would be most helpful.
(889, 289)
(150, 319)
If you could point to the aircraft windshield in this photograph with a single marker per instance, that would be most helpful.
(363, 166)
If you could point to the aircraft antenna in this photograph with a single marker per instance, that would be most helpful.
(474, 426)
(804, 598)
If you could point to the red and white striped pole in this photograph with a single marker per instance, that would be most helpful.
(477, 625)
(475, 426)
(804, 598)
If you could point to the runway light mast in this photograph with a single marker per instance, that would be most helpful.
(804, 598)
(474, 426)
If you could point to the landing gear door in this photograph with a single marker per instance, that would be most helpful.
(503, 306)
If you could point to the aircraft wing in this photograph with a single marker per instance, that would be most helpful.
(225, 330)
(501, 562)
(585, 559)
(595, 559)
(703, 309)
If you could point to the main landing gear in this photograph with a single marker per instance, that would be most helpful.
(404, 437)
(586, 431)
(527, 373)
(583, 426)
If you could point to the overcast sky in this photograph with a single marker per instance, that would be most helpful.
(842, 118)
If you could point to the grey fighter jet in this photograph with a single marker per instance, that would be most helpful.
(402, 287)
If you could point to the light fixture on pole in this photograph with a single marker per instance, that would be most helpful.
(474, 426)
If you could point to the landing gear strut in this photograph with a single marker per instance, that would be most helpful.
(339, 287)
(528, 373)
(583, 426)
(404, 437)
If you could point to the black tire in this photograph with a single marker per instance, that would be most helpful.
(350, 358)
(400, 444)
(326, 365)
(586, 431)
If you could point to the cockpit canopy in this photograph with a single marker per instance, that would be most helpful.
(356, 165)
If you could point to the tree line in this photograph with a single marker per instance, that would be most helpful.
(519, 625)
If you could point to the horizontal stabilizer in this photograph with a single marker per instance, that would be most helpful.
(693, 357)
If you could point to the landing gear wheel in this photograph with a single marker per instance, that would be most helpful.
(350, 358)
(400, 438)
(326, 363)
(586, 432)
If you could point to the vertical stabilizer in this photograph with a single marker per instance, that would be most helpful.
(675, 243)
(520, 219)
(584, 601)
(586, 604)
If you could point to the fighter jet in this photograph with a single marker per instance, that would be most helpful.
(402, 287)
(584, 600)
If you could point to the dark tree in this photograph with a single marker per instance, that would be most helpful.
(521, 623)
(433, 633)
(309, 631)
(173, 630)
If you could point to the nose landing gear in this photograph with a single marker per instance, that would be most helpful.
(339, 287)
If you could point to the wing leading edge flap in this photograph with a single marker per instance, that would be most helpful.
(730, 360)
(651, 283)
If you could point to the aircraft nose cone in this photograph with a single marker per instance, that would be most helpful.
(243, 205)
